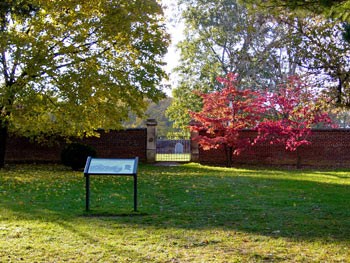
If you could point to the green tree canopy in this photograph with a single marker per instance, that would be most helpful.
(324, 54)
(69, 67)
(320, 37)
(264, 45)
(328, 8)
(224, 36)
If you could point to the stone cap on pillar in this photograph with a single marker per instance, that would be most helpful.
(151, 122)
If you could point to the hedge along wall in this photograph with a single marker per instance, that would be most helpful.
(114, 144)
(329, 148)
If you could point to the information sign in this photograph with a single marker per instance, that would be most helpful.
(104, 166)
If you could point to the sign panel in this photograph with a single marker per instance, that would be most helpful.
(111, 166)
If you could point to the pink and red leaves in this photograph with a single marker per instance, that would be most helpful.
(225, 113)
(284, 117)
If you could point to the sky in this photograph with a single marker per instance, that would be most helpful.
(176, 31)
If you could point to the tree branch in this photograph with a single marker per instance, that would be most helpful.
(5, 68)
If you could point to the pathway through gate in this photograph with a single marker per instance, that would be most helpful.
(173, 150)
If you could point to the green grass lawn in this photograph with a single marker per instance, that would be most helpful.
(188, 213)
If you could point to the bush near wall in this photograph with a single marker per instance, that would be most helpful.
(113, 144)
(329, 148)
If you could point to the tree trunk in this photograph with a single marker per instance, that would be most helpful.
(3, 141)
(229, 153)
(298, 160)
(339, 91)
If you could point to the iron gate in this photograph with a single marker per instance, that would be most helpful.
(173, 150)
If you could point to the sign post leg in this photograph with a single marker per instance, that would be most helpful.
(87, 198)
(135, 192)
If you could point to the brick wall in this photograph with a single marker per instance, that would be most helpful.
(121, 144)
(329, 148)
(113, 144)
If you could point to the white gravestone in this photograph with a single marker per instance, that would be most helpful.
(179, 148)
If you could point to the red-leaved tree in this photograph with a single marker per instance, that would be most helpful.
(224, 114)
(292, 112)
(285, 117)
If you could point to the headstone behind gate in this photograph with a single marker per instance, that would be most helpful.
(179, 148)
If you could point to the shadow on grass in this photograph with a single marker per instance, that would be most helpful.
(92, 214)
(269, 202)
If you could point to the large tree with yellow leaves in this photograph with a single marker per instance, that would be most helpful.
(69, 67)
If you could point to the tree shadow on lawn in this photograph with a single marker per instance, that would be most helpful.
(187, 198)
(272, 207)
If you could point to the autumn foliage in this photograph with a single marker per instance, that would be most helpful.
(291, 113)
(225, 113)
(284, 117)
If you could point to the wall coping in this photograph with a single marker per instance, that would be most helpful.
(313, 130)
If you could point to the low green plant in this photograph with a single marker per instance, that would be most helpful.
(74, 155)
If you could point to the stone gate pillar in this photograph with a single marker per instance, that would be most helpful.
(151, 140)
(194, 145)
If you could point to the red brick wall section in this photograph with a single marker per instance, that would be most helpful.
(22, 150)
(329, 148)
(114, 144)
(120, 144)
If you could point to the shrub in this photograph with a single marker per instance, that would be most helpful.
(75, 155)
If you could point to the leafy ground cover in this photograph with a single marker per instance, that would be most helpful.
(187, 213)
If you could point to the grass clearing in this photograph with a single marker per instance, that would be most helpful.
(187, 213)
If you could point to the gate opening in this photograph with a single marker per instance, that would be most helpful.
(173, 150)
